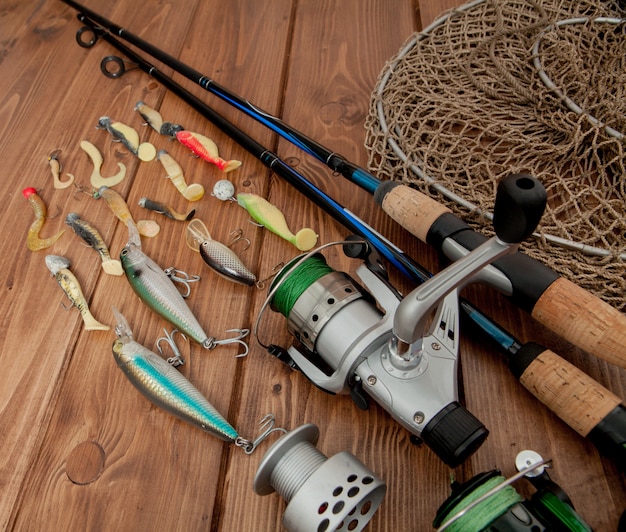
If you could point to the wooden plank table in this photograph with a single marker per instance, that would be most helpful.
(81, 449)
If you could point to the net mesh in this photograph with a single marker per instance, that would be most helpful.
(465, 104)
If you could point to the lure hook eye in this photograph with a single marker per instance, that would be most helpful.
(267, 426)
(91, 37)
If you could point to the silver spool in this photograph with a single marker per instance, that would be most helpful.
(322, 494)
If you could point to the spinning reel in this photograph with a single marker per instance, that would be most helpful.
(402, 352)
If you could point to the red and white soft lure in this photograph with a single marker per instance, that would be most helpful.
(206, 149)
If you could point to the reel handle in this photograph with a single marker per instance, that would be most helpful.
(559, 304)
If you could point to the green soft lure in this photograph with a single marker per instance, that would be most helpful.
(165, 386)
(270, 217)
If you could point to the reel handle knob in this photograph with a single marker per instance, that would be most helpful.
(520, 202)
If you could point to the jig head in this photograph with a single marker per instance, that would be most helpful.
(59, 267)
(33, 241)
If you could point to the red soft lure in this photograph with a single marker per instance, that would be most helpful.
(33, 241)
(206, 149)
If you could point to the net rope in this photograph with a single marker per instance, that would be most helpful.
(463, 104)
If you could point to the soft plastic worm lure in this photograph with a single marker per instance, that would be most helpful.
(33, 241)
(270, 217)
(165, 386)
(119, 207)
(218, 256)
(93, 237)
(59, 266)
(166, 210)
(129, 138)
(192, 192)
(155, 121)
(206, 149)
(55, 169)
(96, 179)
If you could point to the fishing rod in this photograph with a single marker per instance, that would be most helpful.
(378, 243)
(559, 304)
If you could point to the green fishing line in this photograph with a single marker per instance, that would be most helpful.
(484, 513)
(297, 282)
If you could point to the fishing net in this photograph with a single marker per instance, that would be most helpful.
(499, 87)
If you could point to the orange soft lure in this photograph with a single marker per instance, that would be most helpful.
(206, 149)
(33, 241)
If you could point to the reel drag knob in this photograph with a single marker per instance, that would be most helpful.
(336, 493)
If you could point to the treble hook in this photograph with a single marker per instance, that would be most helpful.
(267, 426)
(177, 359)
(238, 238)
(212, 343)
(261, 283)
(179, 276)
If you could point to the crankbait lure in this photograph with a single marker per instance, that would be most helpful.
(270, 217)
(218, 256)
(170, 390)
(33, 241)
(206, 149)
(128, 137)
(165, 386)
(93, 237)
(120, 208)
(157, 290)
(192, 192)
(59, 266)
(166, 210)
(55, 169)
(96, 179)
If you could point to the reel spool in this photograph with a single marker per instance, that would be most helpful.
(489, 503)
(323, 494)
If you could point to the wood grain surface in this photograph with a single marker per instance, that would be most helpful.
(81, 448)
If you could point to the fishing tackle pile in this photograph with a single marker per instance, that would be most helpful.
(59, 266)
(33, 241)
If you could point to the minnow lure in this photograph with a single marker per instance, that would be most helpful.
(206, 149)
(55, 169)
(166, 210)
(128, 137)
(119, 207)
(192, 192)
(59, 266)
(153, 119)
(93, 237)
(156, 289)
(218, 256)
(165, 386)
(33, 241)
(269, 216)
(96, 179)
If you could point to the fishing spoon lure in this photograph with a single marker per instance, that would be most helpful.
(166, 210)
(170, 390)
(33, 241)
(174, 172)
(59, 266)
(96, 179)
(270, 217)
(92, 237)
(218, 256)
(128, 137)
(55, 170)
